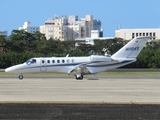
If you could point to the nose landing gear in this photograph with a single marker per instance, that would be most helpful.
(20, 77)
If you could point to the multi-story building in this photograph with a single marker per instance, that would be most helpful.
(28, 28)
(3, 32)
(55, 28)
(129, 34)
(69, 28)
(96, 24)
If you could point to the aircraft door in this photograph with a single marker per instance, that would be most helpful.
(43, 67)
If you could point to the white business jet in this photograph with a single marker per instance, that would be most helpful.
(80, 66)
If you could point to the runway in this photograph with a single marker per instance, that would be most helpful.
(90, 90)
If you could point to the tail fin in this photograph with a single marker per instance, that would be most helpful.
(131, 49)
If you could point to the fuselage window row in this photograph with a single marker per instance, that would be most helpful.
(58, 61)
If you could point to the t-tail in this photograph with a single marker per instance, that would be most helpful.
(132, 49)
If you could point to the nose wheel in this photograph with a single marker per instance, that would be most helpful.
(20, 77)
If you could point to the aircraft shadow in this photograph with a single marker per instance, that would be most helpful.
(92, 79)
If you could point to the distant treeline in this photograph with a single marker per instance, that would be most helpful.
(21, 45)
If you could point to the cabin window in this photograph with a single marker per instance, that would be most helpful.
(58, 61)
(48, 61)
(53, 61)
(63, 61)
(68, 61)
(42, 61)
(72, 60)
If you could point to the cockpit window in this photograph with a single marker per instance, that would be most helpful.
(31, 61)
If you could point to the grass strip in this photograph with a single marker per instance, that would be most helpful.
(4, 74)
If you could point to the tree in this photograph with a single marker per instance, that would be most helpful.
(39, 36)
(112, 45)
(3, 44)
(85, 48)
(21, 41)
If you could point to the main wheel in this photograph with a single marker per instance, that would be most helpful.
(79, 78)
(20, 77)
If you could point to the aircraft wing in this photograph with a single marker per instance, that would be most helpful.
(80, 69)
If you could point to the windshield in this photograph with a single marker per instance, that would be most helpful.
(31, 61)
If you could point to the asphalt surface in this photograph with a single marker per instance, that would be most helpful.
(34, 111)
(94, 98)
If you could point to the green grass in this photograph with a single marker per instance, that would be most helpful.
(4, 74)
(129, 73)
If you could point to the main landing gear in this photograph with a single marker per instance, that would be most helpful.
(20, 77)
(79, 78)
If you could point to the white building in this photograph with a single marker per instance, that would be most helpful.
(28, 28)
(129, 34)
(95, 34)
(55, 28)
(69, 28)
(3, 32)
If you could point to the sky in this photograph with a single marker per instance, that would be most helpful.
(128, 13)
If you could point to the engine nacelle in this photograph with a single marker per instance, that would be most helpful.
(100, 58)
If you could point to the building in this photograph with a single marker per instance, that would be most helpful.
(95, 34)
(55, 28)
(28, 28)
(69, 28)
(129, 34)
(3, 32)
(96, 24)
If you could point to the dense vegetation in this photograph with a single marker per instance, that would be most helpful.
(21, 45)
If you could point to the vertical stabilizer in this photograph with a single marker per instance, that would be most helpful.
(132, 48)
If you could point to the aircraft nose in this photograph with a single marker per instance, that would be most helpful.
(11, 69)
(14, 69)
(8, 69)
